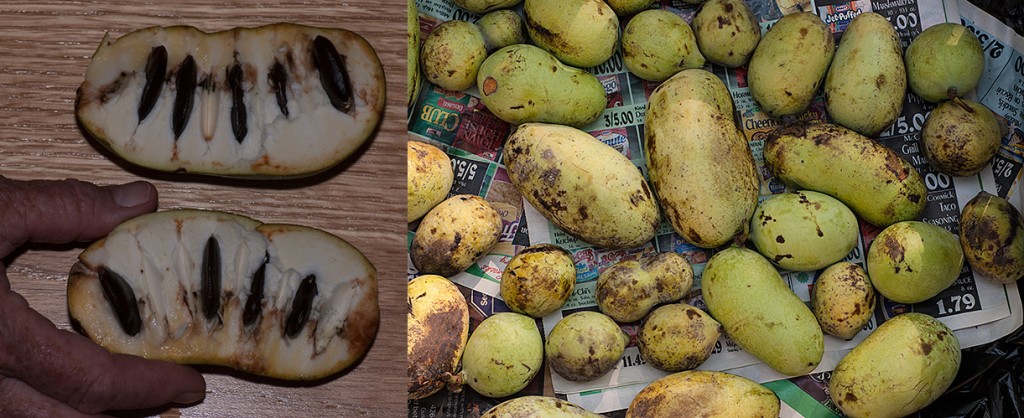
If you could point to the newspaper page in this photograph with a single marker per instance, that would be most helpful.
(458, 123)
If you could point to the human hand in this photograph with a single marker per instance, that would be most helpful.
(49, 372)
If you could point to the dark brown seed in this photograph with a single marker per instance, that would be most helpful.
(279, 84)
(333, 75)
(301, 306)
(156, 68)
(210, 284)
(253, 305)
(185, 86)
(122, 299)
(238, 122)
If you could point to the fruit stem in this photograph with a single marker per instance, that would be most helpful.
(951, 93)
(959, 102)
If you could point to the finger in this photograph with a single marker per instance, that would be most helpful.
(8, 297)
(60, 211)
(21, 400)
(71, 369)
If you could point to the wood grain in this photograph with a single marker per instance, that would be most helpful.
(45, 48)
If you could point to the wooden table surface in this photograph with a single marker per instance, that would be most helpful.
(45, 46)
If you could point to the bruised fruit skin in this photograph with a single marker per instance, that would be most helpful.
(677, 337)
(438, 325)
(454, 234)
(484, 6)
(580, 33)
(502, 28)
(523, 83)
(452, 53)
(710, 394)
(584, 346)
(428, 180)
(626, 291)
(538, 406)
(803, 230)
(727, 32)
(687, 135)
(825, 158)
(273, 101)
(843, 300)
(538, 280)
(780, 329)
(866, 84)
(960, 137)
(992, 237)
(412, 38)
(580, 184)
(204, 287)
(789, 64)
(656, 44)
(629, 7)
(911, 261)
(944, 61)
(903, 366)
(503, 355)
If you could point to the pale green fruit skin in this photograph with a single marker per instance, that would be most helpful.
(911, 261)
(502, 28)
(454, 234)
(789, 64)
(484, 6)
(872, 180)
(627, 290)
(538, 280)
(677, 337)
(727, 32)
(803, 230)
(452, 53)
(584, 346)
(412, 58)
(523, 83)
(779, 329)
(687, 135)
(538, 406)
(695, 84)
(656, 44)
(992, 237)
(943, 57)
(843, 299)
(429, 178)
(708, 394)
(580, 33)
(581, 185)
(629, 7)
(903, 366)
(958, 141)
(502, 355)
(866, 84)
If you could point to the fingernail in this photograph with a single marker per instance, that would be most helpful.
(132, 194)
(190, 397)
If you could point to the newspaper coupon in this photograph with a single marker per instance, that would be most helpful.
(978, 310)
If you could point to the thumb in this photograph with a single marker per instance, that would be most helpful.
(61, 211)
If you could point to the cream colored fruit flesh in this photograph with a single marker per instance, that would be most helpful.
(160, 256)
(313, 136)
